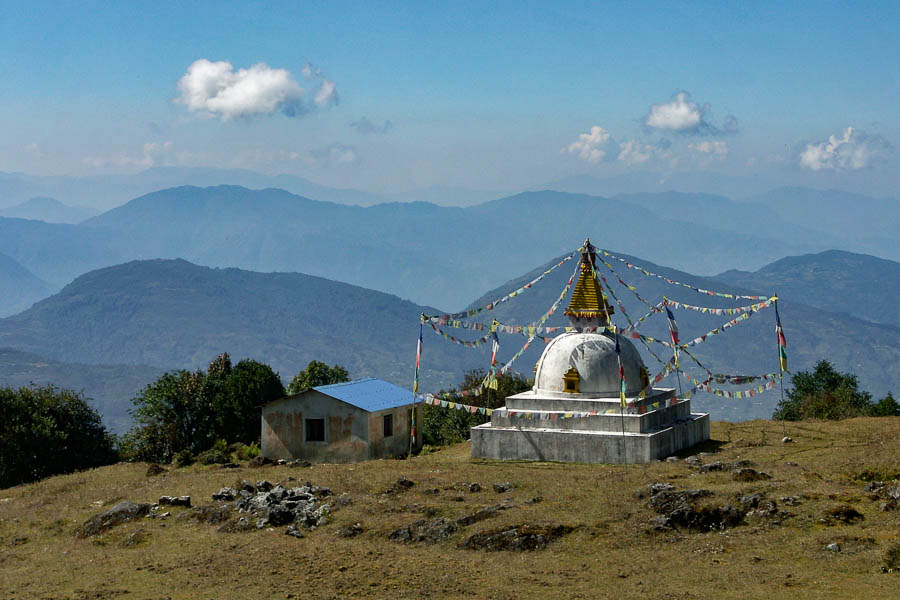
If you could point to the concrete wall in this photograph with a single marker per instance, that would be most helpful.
(283, 429)
(397, 444)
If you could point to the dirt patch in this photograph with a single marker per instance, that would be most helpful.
(842, 514)
(517, 538)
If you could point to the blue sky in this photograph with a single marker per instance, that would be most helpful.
(499, 96)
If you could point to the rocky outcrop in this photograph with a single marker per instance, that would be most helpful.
(122, 512)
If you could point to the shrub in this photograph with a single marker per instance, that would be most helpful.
(184, 458)
(217, 455)
(247, 451)
(824, 393)
(45, 431)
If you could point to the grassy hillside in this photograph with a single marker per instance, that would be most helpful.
(611, 551)
(860, 285)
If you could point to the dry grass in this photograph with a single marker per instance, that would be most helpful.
(610, 553)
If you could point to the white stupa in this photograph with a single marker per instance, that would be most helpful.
(574, 413)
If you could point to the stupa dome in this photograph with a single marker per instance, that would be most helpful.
(593, 357)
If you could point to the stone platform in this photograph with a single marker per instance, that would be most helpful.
(535, 426)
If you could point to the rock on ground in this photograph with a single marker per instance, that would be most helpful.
(517, 538)
(120, 513)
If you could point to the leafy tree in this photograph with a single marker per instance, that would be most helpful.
(45, 431)
(886, 407)
(824, 393)
(185, 412)
(445, 426)
(250, 385)
(315, 374)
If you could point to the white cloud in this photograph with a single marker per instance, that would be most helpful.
(216, 89)
(327, 94)
(852, 151)
(712, 148)
(593, 146)
(634, 152)
(681, 115)
(333, 155)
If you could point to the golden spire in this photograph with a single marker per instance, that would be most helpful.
(588, 300)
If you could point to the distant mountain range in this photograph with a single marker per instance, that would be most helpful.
(108, 191)
(49, 210)
(19, 287)
(173, 314)
(109, 387)
(430, 254)
(858, 285)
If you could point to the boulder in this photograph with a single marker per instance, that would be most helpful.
(120, 513)
(175, 501)
(155, 469)
(421, 530)
(517, 538)
(503, 487)
(747, 474)
(226, 494)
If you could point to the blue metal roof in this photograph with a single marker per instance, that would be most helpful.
(369, 394)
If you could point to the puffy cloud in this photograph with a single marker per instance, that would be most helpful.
(327, 94)
(593, 146)
(335, 155)
(852, 151)
(712, 148)
(364, 126)
(681, 115)
(634, 152)
(216, 89)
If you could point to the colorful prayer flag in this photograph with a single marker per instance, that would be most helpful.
(621, 373)
(782, 344)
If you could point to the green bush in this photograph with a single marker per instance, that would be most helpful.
(45, 431)
(217, 455)
(247, 451)
(183, 458)
(447, 426)
(824, 393)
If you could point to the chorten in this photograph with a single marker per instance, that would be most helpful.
(574, 412)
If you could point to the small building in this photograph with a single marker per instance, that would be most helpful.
(344, 422)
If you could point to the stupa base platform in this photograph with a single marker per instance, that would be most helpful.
(579, 446)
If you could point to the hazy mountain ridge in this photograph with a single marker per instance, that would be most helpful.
(173, 314)
(21, 288)
(428, 253)
(49, 210)
(863, 286)
(109, 387)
